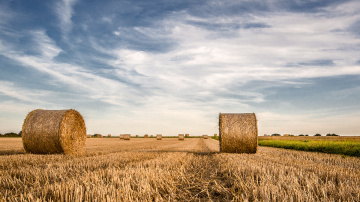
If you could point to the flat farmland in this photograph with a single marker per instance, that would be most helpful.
(172, 170)
(348, 145)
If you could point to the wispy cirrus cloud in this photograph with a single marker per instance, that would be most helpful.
(64, 10)
(19, 93)
(46, 46)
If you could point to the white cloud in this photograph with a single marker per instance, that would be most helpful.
(28, 95)
(205, 68)
(201, 63)
(64, 10)
(106, 19)
(5, 15)
(45, 45)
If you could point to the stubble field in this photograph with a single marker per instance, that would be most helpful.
(172, 170)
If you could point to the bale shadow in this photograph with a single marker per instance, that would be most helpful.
(8, 153)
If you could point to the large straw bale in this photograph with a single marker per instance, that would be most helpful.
(181, 137)
(54, 132)
(127, 136)
(238, 133)
(146, 136)
(121, 136)
(159, 137)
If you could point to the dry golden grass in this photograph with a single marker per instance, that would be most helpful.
(172, 170)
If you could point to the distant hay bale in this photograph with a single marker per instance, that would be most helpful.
(146, 136)
(151, 136)
(159, 137)
(286, 135)
(181, 137)
(121, 136)
(109, 135)
(88, 136)
(187, 135)
(99, 136)
(137, 136)
(54, 132)
(205, 136)
(127, 136)
(238, 133)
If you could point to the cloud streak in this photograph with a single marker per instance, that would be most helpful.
(64, 10)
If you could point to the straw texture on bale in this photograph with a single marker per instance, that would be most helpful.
(159, 137)
(181, 136)
(127, 137)
(146, 136)
(238, 133)
(121, 136)
(54, 132)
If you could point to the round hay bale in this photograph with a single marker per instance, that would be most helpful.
(181, 137)
(146, 136)
(238, 133)
(159, 137)
(99, 136)
(151, 136)
(127, 136)
(205, 136)
(54, 132)
(121, 136)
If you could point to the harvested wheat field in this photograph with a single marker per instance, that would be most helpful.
(172, 170)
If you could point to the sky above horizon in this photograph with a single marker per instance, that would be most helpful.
(171, 67)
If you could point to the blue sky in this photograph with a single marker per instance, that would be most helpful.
(171, 66)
